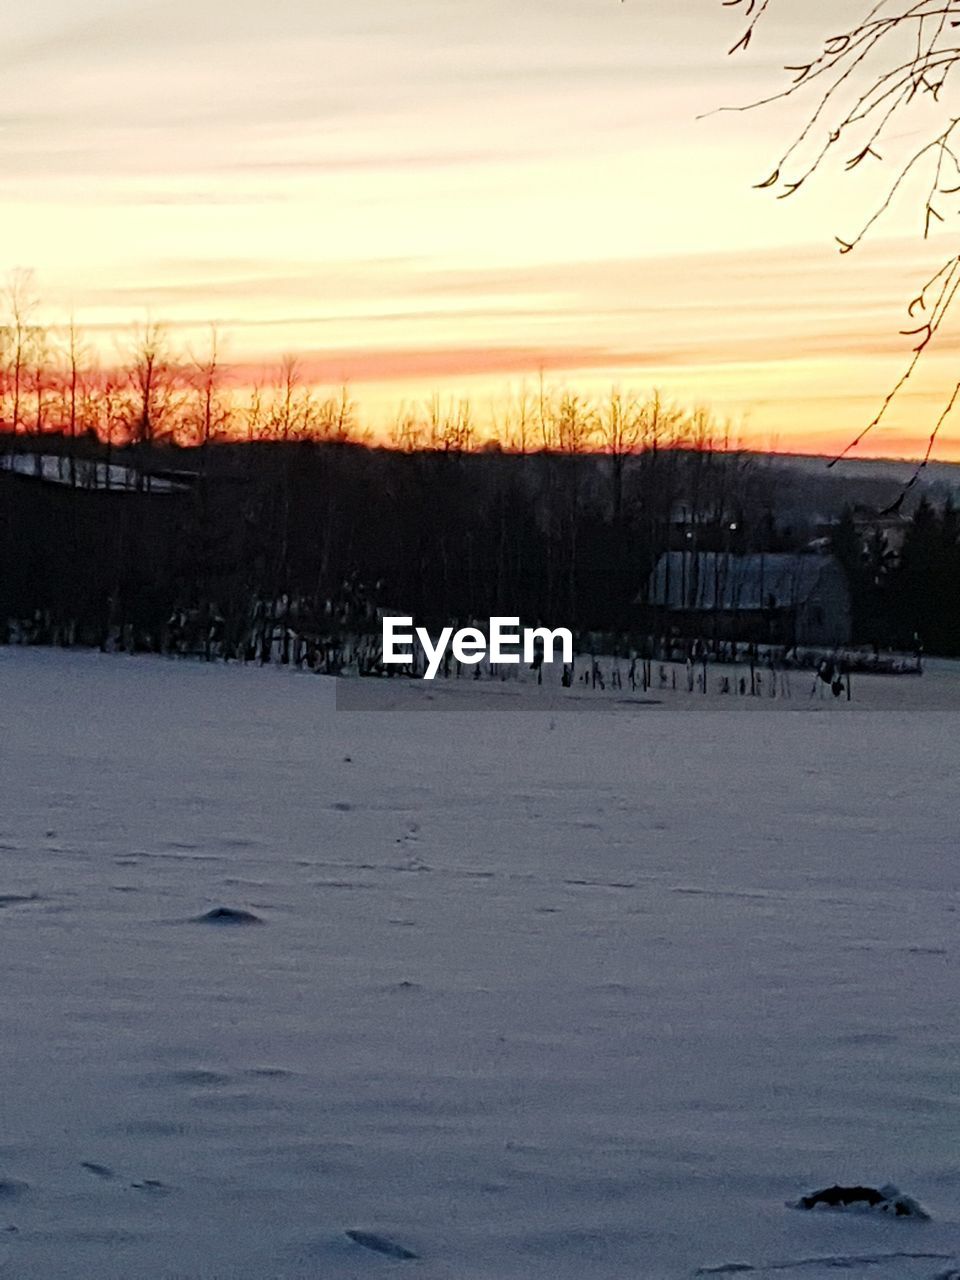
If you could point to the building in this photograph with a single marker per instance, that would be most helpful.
(69, 549)
(878, 533)
(782, 599)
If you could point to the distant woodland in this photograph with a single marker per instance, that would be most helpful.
(154, 505)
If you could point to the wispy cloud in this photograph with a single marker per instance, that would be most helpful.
(438, 191)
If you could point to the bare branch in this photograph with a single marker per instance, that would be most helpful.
(898, 58)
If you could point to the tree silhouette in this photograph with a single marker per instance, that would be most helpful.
(879, 93)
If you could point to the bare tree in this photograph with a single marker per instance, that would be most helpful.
(406, 430)
(620, 427)
(21, 302)
(76, 357)
(253, 413)
(155, 393)
(450, 428)
(513, 424)
(207, 412)
(39, 384)
(107, 412)
(337, 418)
(290, 409)
(879, 93)
(6, 346)
(576, 422)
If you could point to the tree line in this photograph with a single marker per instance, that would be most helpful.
(192, 513)
(907, 596)
(54, 382)
(242, 540)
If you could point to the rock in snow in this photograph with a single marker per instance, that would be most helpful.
(227, 915)
(888, 1199)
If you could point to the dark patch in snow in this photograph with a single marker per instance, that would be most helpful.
(859, 1199)
(342, 884)
(152, 1185)
(12, 1189)
(751, 895)
(111, 1237)
(191, 1077)
(380, 1244)
(341, 806)
(727, 1269)
(226, 916)
(231, 1103)
(19, 899)
(602, 884)
(868, 1038)
(836, 1261)
(151, 1128)
(167, 856)
(98, 1170)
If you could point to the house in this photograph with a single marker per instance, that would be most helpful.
(710, 527)
(878, 533)
(768, 598)
(881, 530)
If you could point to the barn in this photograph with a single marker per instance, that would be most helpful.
(770, 598)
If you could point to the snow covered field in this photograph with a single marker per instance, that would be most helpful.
(534, 996)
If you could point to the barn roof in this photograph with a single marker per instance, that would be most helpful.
(53, 468)
(709, 580)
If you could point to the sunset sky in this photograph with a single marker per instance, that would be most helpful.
(447, 196)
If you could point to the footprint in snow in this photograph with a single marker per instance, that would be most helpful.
(380, 1244)
(18, 899)
(153, 1185)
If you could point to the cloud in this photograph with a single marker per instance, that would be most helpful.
(437, 190)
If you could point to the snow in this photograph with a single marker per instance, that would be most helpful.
(535, 996)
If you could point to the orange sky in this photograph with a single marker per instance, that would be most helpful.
(436, 197)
